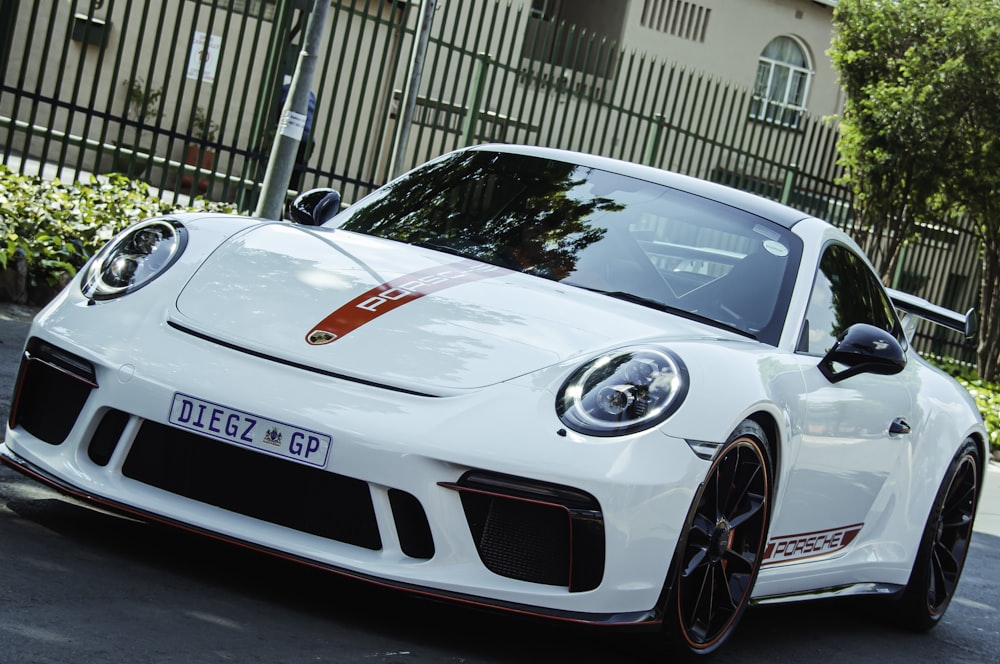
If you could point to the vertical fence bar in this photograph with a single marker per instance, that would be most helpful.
(352, 23)
(35, 103)
(412, 89)
(359, 25)
(473, 100)
(92, 106)
(19, 94)
(544, 89)
(264, 110)
(582, 94)
(788, 186)
(64, 68)
(653, 140)
(531, 83)
(599, 111)
(697, 117)
(500, 76)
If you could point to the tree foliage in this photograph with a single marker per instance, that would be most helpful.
(920, 128)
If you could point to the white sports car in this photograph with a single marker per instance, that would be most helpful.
(521, 378)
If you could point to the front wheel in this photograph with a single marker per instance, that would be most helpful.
(722, 543)
(944, 544)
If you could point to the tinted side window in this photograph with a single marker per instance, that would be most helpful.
(845, 292)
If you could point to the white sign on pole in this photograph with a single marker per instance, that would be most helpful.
(207, 53)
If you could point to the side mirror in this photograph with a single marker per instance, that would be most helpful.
(314, 207)
(863, 348)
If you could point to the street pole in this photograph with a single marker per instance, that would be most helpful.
(404, 116)
(293, 119)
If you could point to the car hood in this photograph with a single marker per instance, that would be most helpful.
(399, 315)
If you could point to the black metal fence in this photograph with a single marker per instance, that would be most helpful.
(186, 94)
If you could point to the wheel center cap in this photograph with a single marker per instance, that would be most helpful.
(719, 541)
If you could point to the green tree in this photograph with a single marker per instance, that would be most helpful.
(920, 128)
(972, 185)
(895, 61)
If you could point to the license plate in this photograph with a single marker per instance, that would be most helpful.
(249, 430)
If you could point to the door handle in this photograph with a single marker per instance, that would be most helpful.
(899, 427)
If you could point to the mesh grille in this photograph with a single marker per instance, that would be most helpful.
(254, 484)
(525, 541)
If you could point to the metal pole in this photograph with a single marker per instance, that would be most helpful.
(787, 187)
(293, 118)
(475, 98)
(409, 100)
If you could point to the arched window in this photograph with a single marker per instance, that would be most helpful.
(783, 75)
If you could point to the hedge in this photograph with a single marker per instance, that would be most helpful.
(49, 229)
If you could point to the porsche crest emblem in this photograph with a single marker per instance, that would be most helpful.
(320, 337)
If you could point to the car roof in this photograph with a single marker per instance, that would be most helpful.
(762, 207)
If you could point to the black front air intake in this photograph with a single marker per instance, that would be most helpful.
(106, 436)
(51, 390)
(411, 525)
(254, 484)
(534, 531)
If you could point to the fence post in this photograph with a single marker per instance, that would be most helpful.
(653, 142)
(474, 99)
(789, 184)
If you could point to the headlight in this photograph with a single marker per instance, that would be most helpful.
(623, 392)
(133, 258)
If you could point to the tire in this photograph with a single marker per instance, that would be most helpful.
(943, 545)
(719, 553)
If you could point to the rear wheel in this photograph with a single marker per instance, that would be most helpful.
(944, 545)
(722, 542)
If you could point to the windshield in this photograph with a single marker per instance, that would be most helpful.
(594, 229)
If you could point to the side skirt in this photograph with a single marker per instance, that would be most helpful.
(854, 590)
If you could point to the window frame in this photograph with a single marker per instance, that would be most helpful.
(789, 109)
(876, 292)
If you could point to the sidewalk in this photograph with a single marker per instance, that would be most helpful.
(988, 518)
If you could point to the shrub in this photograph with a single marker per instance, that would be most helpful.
(54, 228)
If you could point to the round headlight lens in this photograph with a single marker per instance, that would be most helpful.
(133, 258)
(623, 392)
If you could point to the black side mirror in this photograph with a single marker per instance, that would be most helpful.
(863, 348)
(314, 207)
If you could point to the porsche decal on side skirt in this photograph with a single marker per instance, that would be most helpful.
(808, 545)
(392, 294)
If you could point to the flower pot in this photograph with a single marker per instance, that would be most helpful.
(191, 158)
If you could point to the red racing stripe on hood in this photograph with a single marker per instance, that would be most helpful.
(393, 294)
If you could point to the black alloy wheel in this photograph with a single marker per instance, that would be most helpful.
(722, 543)
(944, 545)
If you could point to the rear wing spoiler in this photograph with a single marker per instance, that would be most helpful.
(912, 307)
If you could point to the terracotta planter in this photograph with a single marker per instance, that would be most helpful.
(191, 158)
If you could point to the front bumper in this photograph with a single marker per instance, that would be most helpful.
(419, 493)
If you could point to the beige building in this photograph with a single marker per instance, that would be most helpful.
(778, 47)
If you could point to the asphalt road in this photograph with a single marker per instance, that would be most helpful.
(81, 586)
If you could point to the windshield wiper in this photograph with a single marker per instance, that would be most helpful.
(662, 306)
(445, 249)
